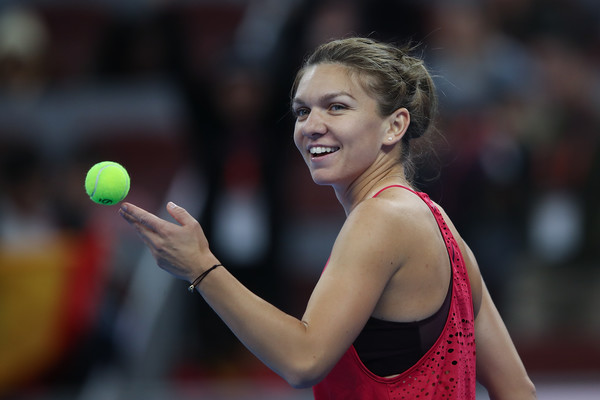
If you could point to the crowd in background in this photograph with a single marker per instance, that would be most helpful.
(193, 99)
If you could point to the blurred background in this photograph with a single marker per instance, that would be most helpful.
(192, 97)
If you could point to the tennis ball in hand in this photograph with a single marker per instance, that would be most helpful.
(107, 183)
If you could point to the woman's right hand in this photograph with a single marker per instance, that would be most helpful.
(182, 250)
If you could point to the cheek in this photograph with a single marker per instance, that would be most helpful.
(297, 136)
(368, 137)
(366, 148)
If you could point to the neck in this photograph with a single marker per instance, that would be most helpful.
(366, 186)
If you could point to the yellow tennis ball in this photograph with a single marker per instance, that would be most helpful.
(107, 183)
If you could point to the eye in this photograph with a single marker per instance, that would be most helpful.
(337, 107)
(300, 112)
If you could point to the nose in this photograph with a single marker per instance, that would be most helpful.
(313, 125)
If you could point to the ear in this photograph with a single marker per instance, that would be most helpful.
(397, 124)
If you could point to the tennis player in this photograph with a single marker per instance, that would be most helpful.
(401, 310)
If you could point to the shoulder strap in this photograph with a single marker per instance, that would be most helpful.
(391, 186)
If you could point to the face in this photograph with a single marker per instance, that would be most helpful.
(338, 130)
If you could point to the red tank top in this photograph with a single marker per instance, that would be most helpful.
(446, 371)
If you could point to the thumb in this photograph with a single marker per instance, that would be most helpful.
(179, 213)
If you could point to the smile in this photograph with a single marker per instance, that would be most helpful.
(321, 150)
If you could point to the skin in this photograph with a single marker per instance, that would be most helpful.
(389, 254)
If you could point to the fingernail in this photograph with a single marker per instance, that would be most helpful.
(123, 207)
(171, 205)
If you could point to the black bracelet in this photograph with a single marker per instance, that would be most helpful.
(201, 277)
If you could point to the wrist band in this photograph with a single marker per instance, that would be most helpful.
(199, 279)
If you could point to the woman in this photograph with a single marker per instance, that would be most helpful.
(401, 305)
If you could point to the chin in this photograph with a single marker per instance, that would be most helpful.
(325, 179)
(323, 183)
(321, 180)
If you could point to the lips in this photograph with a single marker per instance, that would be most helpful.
(320, 151)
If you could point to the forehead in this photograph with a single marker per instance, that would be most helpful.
(324, 78)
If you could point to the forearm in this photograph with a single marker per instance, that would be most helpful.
(279, 340)
(284, 343)
(499, 367)
(519, 389)
(528, 394)
(516, 387)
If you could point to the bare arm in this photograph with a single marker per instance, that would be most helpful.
(499, 367)
(301, 351)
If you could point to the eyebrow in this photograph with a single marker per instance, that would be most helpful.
(325, 98)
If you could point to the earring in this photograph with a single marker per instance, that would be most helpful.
(390, 138)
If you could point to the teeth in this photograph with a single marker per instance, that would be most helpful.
(323, 150)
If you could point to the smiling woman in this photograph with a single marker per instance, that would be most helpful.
(339, 130)
(401, 309)
(388, 74)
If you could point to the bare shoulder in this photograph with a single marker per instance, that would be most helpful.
(384, 229)
(412, 242)
(377, 221)
(398, 210)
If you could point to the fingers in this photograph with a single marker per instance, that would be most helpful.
(177, 247)
(139, 218)
(180, 214)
